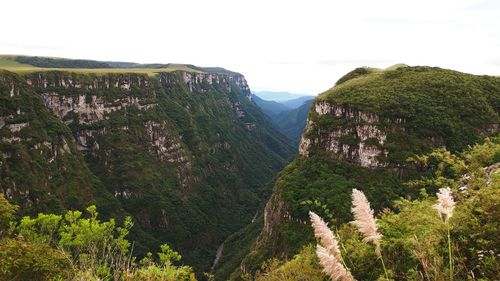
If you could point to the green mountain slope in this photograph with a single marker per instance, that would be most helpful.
(187, 154)
(289, 119)
(360, 135)
(277, 96)
(414, 234)
(30, 64)
(270, 108)
(40, 165)
(298, 102)
(293, 122)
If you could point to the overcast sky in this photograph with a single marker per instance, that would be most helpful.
(295, 46)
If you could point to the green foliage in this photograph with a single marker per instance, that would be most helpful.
(217, 175)
(293, 122)
(50, 247)
(418, 109)
(304, 266)
(7, 211)
(98, 248)
(320, 184)
(358, 72)
(30, 166)
(443, 169)
(414, 242)
(167, 255)
(164, 270)
(27, 64)
(22, 259)
(438, 106)
(485, 154)
(60, 63)
(235, 248)
(318, 178)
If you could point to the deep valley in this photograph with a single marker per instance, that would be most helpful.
(187, 156)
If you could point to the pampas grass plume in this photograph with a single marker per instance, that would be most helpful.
(325, 235)
(331, 265)
(364, 219)
(445, 203)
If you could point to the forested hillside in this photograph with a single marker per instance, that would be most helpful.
(288, 116)
(366, 133)
(417, 241)
(179, 160)
(185, 153)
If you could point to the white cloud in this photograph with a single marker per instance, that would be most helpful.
(293, 46)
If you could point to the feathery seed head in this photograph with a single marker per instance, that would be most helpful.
(324, 234)
(445, 203)
(332, 265)
(364, 219)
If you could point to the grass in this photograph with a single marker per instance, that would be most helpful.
(9, 63)
(98, 71)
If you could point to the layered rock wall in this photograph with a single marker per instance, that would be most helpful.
(360, 141)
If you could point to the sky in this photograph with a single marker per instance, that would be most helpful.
(295, 46)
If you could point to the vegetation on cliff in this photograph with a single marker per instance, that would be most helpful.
(435, 107)
(189, 157)
(393, 116)
(291, 121)
(414, 242)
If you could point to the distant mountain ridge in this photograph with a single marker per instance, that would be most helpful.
(279, 96)
(35, 63)
(270, 108)
(298, 102)
(292, 122)
(289, 116)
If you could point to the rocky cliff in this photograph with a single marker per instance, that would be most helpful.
(360, 143)
(185, 153)
(361, 133)
(40, 165)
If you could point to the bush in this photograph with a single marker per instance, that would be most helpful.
(70, 247)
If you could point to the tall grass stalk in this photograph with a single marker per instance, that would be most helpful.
(328, 252)
(366, 223)
(445, 207)
(450, 256)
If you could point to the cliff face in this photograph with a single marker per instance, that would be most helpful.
(200, 82)
(40, 165)
(360, 143)
(360, 133)
(185, 153)
(86, 104)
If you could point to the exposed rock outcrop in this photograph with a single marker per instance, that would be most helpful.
(200, 81)
(361, 142)
(166, 147)
(87, 109)
(71, 81)
(86, 139)
(238, 109)
(274, 212)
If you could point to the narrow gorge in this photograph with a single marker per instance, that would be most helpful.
(196, 163)
(187, 154)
